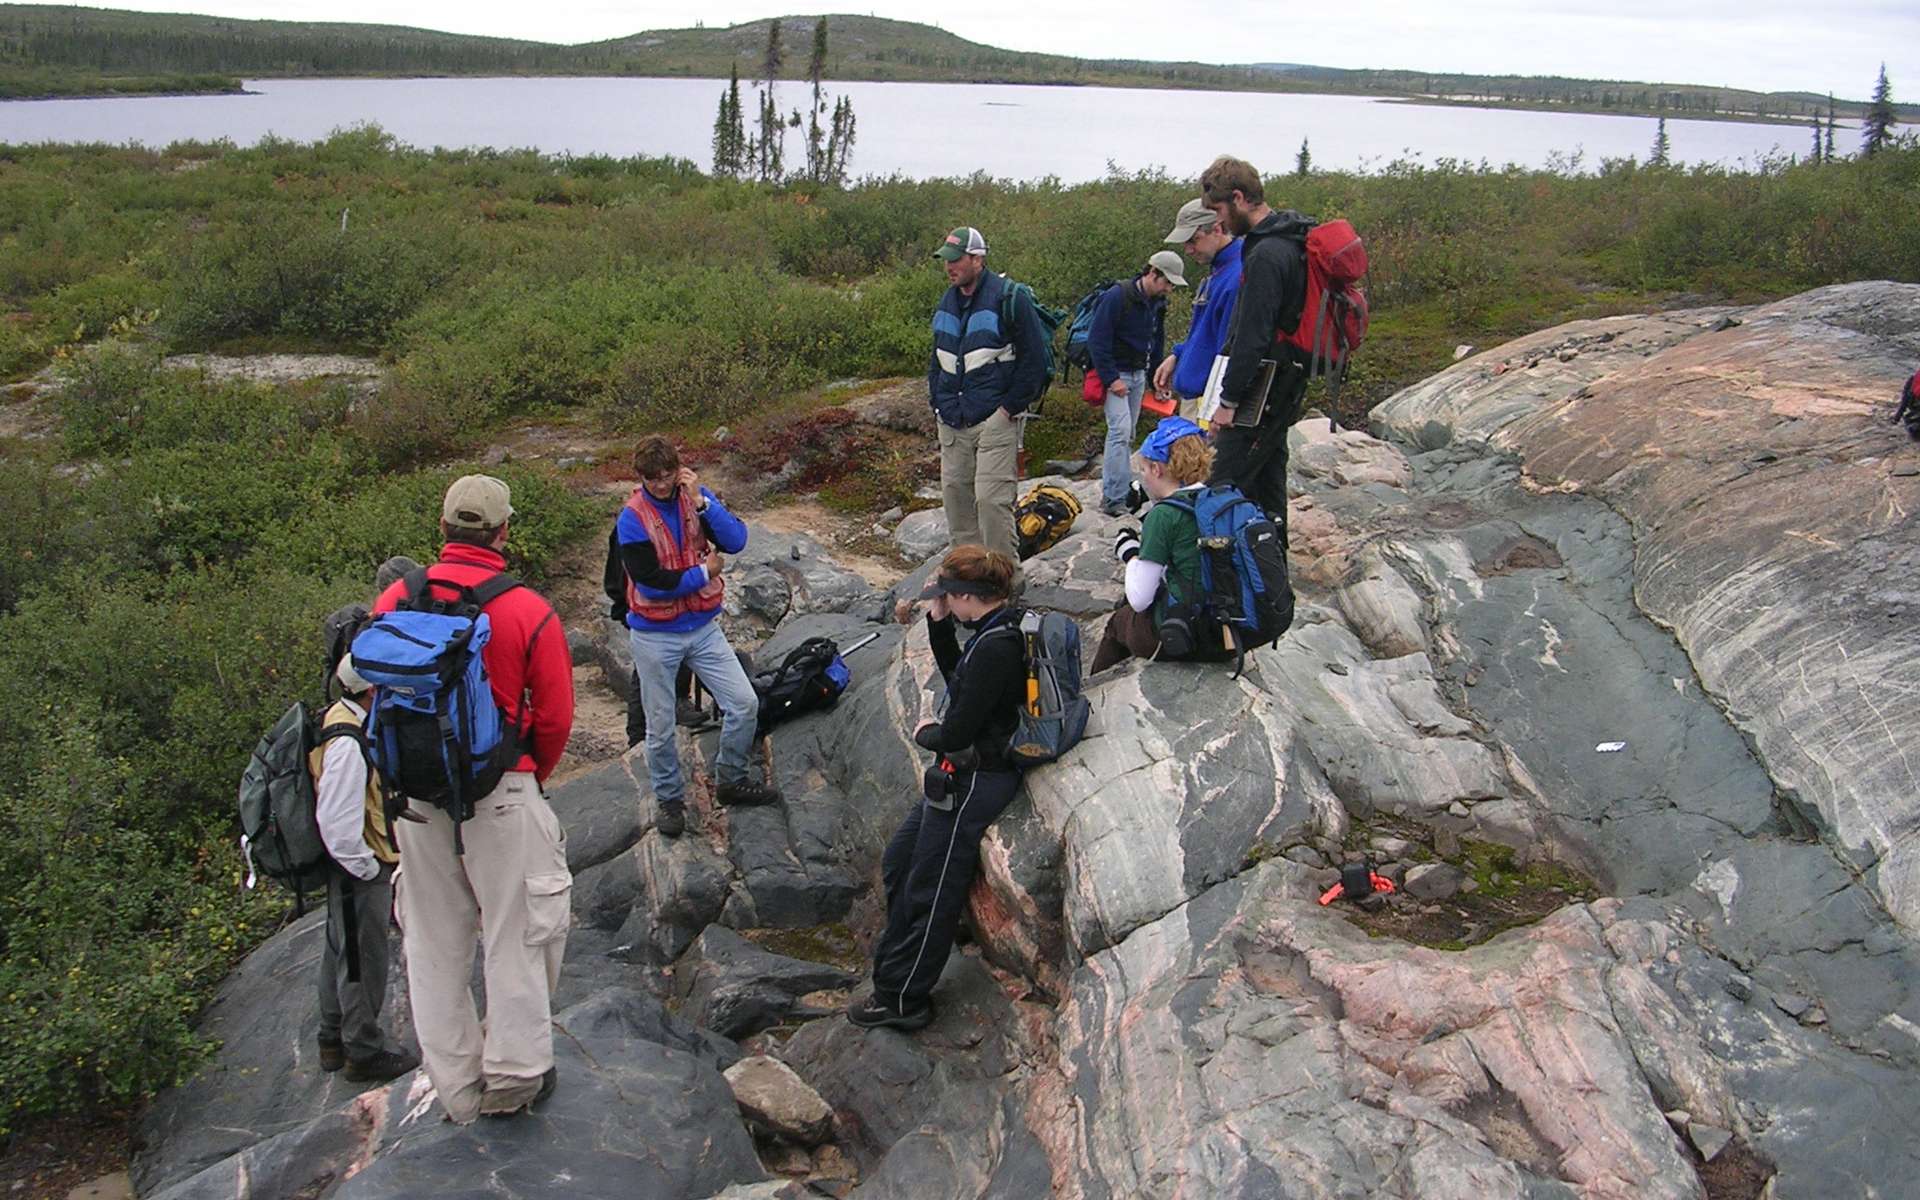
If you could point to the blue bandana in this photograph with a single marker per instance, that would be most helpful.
(1160, 442)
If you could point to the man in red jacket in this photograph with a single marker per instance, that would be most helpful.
(511, 884)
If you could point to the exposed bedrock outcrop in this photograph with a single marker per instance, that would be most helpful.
(1626, 596)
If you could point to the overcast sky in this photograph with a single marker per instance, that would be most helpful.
(1785, 45)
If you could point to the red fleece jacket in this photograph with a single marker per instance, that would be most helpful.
(545, 677)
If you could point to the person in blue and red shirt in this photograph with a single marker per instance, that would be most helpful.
(672, 535)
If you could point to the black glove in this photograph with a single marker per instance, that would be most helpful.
(1136, 496)
(1126, 543)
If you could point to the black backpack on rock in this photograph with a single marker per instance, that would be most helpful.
(809, 679)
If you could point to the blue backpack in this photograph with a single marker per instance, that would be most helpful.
(1082, 324)
(1243, 569)
(434, 731)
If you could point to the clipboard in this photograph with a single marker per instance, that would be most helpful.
(1249, 412)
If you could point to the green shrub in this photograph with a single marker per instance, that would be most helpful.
(400, 515)
(104, 393)
(94, 307)
(306, 276)
(38, 501)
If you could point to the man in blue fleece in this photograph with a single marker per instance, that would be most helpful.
(1129, 326)
(1206, 240)
(672, 533)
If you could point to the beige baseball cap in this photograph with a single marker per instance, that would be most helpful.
(1194, 216)
(1168, 263)
(477, 502)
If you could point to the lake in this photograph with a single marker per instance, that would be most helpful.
(916, 129)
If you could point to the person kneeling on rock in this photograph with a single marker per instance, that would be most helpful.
(1162, 557)
(929, 863)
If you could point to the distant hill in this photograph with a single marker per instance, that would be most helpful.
(41, 40)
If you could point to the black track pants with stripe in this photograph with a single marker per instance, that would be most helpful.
(927, 869)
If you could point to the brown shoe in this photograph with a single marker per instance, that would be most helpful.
(333, 1055)
(518, 1098)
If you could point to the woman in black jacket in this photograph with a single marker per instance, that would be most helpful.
(930, 862)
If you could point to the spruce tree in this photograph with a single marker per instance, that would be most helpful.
(1304, 161)
(766, 154)
(1660, 155)
(1826, 152)
(1876, 130)
(1814, 155)
(840, 141)
(816, 134)
(729, 133)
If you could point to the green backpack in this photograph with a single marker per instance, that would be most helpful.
(1050, 318)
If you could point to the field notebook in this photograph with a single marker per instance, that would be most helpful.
(1248, 413)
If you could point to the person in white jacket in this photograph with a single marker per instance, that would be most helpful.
(349, 807)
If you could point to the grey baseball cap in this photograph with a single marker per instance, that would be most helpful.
(1194, 216)
(1168, 263)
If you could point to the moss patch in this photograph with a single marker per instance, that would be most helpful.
(1504, 892)
(831, 944)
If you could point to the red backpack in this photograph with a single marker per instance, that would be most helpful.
(1334, 320)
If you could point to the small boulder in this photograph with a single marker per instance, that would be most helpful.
(922, 534)
(1709, 1140)
(1435, 881)
(775, 1100)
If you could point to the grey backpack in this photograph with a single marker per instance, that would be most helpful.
(1054, 717)
(280, 835)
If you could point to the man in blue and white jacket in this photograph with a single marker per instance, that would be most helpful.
(1197, 231)
(983, 373)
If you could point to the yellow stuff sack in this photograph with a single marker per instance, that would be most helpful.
(1043, 517)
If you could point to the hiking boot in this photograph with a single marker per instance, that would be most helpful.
(509, 1101)
(872, 1014)
(689, 713)
(671, 820)
(333, 1055)
(381, 1067)
(1113, 508)
(746, 793)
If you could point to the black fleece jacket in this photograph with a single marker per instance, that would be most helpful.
(986, 685)
(1273, 291)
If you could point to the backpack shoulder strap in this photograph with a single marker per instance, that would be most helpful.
(343, 729)
(488, 590)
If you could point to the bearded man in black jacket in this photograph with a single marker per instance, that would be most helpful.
(1273, 291)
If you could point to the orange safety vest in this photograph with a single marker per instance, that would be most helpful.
(673, 557)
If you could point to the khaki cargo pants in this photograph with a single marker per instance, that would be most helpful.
(978, 469)
(511, 891)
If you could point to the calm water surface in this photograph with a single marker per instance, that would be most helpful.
(916, 129)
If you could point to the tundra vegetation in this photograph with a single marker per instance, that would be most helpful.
(170, 543)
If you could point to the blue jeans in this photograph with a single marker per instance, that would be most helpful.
(656, 660)
(1123, 412)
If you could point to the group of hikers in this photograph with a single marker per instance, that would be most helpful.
(467, 849)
